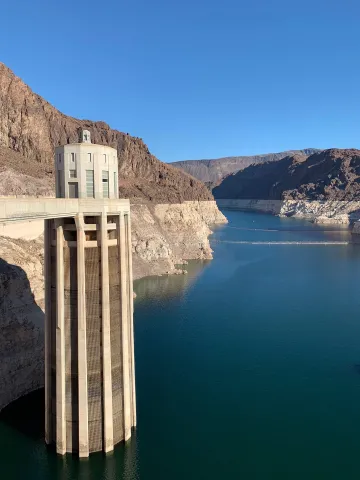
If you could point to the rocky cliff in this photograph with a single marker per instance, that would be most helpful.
(212, 172)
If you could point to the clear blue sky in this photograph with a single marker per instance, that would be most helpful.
(196, 78)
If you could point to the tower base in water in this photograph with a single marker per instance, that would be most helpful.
(89, 339)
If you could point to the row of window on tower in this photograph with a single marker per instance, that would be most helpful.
(90, 193)
(73, 191)
(89, 157)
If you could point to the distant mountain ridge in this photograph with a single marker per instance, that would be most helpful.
(332, 174)
(213, 170)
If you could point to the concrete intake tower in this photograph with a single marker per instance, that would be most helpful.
(89, 339)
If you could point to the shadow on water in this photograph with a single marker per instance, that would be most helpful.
(27, 415)
(24, 422)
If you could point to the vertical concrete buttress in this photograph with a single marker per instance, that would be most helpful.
(106, 344)
(47, 277)
(125, 332)
(60, 343)
(82, 348)
(128, 251)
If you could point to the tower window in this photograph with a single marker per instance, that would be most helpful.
(59, 184)
(72, 173)
(59, 158)
(73, 157)
(105, 183)
(104, 157)
(90, 183)
(73, 190)
(89, 157)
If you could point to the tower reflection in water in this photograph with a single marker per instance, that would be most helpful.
(27, 433)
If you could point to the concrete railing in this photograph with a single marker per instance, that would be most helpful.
(31, 209)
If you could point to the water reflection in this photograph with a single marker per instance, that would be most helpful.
(131, 463)
(120, 464)
(169, 286)
(26, 431)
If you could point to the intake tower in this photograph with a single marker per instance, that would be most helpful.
(89, 339)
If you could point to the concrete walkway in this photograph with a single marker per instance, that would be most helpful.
(14, 210)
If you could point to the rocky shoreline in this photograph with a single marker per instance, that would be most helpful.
(318, 211)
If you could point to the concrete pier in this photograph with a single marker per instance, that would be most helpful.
(48, 353)
(60, 342)
(83, 413)
(106, 344)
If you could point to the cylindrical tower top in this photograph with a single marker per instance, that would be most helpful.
(86, 170)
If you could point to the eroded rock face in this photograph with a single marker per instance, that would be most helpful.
(339, 212)
(164, 235)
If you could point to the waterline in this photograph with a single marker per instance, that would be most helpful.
(279, 243)
(292, 230)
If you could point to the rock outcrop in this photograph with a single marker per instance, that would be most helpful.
(165, 235)
(212, 172)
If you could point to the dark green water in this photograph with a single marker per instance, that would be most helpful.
(247, 368)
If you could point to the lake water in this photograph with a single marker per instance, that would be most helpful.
(247, 368)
